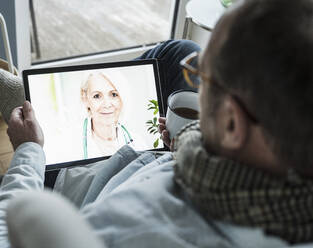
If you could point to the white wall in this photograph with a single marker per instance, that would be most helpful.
(22, 30)
(15, 13)
(7, 10)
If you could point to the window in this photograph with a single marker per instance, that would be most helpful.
(74, 28)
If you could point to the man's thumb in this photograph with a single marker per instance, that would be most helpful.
(28, 111)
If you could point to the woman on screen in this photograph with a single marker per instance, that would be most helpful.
(103, 134)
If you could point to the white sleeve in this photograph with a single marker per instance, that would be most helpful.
(26, 173)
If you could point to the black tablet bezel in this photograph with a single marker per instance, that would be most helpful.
(157, 74)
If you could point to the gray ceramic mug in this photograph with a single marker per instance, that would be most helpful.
(183, 107)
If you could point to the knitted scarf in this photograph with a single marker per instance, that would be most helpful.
(227, 190)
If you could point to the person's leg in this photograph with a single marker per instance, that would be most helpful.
(11, 93)
(170, 53)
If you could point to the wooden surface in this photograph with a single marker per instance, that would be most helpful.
(71, 28)
(6, 150)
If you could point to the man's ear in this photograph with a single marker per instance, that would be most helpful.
(233, 125)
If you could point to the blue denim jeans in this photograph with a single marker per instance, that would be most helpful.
(169, 54)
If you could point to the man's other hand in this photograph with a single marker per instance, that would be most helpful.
(165, 135)
(23, 126)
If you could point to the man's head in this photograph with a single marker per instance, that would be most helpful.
(259, 62)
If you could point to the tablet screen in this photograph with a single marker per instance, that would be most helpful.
(91, 111)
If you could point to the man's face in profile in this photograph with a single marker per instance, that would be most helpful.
(208, 110)
(208, 106)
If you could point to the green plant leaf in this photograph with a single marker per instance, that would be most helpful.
(155, 132)
(155, 111)
(149, 122)
(154, 120)
(154, 102)
(156, 143)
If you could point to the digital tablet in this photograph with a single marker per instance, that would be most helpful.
(88, 112)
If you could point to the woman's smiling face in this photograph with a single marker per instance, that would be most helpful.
(103, 100)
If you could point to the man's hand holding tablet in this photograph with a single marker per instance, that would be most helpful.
(24, 127)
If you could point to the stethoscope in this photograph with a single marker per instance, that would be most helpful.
(127, 138)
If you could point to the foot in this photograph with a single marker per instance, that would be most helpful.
(11, 93)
